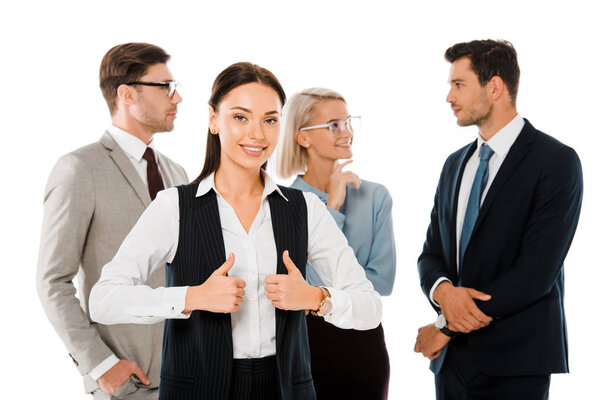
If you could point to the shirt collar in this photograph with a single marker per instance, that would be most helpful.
(129, 143)
(208, 183)
(301, 184)
(502, 141)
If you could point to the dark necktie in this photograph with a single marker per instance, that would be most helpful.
(479, 183)
(155, 182)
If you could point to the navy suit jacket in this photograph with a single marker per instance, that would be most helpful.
(516, 252)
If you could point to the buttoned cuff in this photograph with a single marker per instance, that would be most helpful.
(174, 301)
(170, 304)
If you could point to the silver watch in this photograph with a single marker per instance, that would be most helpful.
(442, 325)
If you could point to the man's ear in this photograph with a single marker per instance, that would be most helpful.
(496, 88)
(127, 94)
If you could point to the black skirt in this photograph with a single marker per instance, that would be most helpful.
(346, 363)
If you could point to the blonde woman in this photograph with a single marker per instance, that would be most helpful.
(317, 132)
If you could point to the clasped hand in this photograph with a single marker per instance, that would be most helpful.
(459, 308)
(461, 313)
(430, 341)
(223, 294)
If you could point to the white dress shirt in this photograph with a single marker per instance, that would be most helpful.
(500, 143)
(120, 296)
(135, 149)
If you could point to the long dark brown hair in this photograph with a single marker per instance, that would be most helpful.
(235, 75)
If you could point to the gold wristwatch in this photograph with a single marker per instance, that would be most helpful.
(325, 306)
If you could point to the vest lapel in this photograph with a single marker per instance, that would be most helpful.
(281, 221)
(128, 170)
(208, 222)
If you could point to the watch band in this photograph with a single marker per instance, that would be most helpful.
(325, 305)
(448, 332)
(442, 325)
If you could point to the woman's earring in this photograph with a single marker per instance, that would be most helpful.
(212, 132)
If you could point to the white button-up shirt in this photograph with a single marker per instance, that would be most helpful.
(135, 149)
(120, 296)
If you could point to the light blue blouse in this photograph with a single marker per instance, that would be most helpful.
(366, 220)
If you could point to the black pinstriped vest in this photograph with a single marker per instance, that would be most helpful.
(197, 352)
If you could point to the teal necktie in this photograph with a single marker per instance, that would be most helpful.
(479, 183)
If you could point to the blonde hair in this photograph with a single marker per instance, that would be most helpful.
(291, 158)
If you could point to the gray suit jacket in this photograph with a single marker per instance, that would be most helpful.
(93, 198)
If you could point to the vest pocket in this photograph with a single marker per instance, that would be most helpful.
(303, 381)
(304, 389)
(178, 381)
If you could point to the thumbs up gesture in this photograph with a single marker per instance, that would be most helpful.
(219, 293)
(290, 291)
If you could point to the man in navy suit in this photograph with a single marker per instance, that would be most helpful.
(505, 212)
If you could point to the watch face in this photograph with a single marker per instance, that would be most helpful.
(325, 308)
(440, 322)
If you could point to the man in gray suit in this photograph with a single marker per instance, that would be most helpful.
(93, 198)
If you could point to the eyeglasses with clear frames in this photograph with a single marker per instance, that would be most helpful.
(339, 126)
(171, 85)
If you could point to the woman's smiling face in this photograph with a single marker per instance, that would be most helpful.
(247, 122)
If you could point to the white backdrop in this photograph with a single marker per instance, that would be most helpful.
(388, 62)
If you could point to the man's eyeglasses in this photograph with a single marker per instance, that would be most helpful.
(338, 126)
(171, 85)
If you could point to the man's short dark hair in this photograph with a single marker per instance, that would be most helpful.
(127, 63)
(490, 58)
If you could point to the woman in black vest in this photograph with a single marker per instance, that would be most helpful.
(235, 326)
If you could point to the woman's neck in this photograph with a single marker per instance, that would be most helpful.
(319, 172)
(236, 181)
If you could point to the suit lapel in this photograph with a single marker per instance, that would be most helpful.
(456, 182)
(167, 173)
(514, 157)
(208, 223)
(127, 169)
